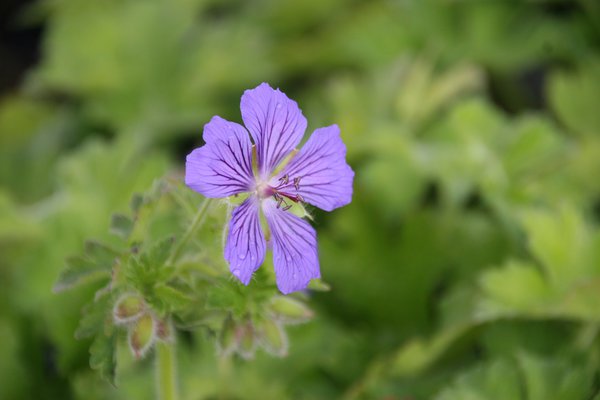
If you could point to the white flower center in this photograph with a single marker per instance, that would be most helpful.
(264, 190)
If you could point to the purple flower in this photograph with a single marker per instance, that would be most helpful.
(276, 176)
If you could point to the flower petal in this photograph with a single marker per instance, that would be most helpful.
(275, 123)
(325, 177)
(294, 248)
(246, 246)
(223, 166)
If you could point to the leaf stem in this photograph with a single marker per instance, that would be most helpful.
(166, 371)
(198, 220)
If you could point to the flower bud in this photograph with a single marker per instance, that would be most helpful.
(289, 310)
(128, 308)
(245, 338)
(319, 286)
(273, 338)
(164, 330)
(142, 335)
(226, 343)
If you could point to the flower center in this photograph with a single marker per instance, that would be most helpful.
(264, 190)
(284, 190)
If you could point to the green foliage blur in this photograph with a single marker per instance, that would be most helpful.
(467, 265)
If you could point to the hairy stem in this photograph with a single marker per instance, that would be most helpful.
(224, 373)
(166, 372)
(196, 223)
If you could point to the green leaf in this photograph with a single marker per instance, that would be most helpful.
(81, 270)
(556, 379)
(533, 146)
(225, 298)
(95, 318)
(518, 287)
(97, 263)
(560, 241)
(497, 380)
(581, 301)
(394, 199)
(137, 200)
(121, 225)
(15, 226)
(101, 253)
(521, 288)
(169, 298)
(159, 252)
(574, 97)
(529, 377)
(144, 274)
(424, 93)
(103, 355)
(419, 354)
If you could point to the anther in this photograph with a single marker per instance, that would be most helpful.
(287, 207)
(297, 183)
(284, 180)
(299, 198)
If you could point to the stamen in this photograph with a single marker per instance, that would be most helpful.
(281, 196)
(279, 201)
(284, 180)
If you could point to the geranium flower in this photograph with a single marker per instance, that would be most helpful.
(277, 176)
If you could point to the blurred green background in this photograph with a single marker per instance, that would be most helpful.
(467, 265)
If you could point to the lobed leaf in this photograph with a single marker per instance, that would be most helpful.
(121, 225)
(168, 298)
(79, 270)
(95, 318)
(103, 355)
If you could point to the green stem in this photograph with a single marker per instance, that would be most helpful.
(198, 220)
(224, 373)
(166, 372)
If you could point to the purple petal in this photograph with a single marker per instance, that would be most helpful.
(325, 177)
(245, 248)
(223, 166)
(294, 249)
(275, 123)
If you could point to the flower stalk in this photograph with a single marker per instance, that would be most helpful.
(166, 371)
(196, 223)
